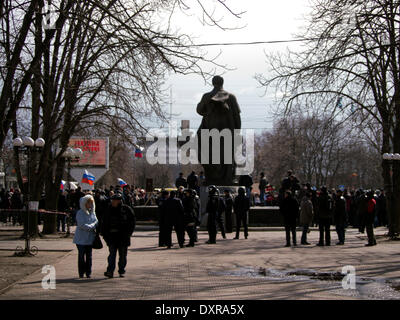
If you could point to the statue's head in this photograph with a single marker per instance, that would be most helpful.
(218, 82)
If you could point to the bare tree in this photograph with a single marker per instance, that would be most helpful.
(105, 62)
(350, 60)
(321, 151)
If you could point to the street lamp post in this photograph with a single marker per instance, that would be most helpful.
(28, 145)
(71, 155)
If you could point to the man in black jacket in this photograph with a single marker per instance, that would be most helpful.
(340, 216)
(117, 228)
(289, 208)
(228, 210)
(215, 208)
(62, 206)
(189, 205)
(175, 218)
(247, 182)
(162, 220)
(324, 216)
(241, 207)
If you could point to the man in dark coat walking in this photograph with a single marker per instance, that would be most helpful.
(340, 216)
(175, 219)
(290, 210)
(241, 207)
(117, 228)
(324, 217)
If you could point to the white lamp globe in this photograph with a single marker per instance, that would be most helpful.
(396, 156)
(17, 142)
(28, 142)
(385, 156)
(78, 153)
(68, 153)
(40, 142)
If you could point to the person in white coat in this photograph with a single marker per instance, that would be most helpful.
(85, 233)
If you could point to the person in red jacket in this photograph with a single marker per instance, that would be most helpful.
(370, 218)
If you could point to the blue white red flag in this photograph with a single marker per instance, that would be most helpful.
(122, 183)
(138, 153)
(88, 178)
(62, 185)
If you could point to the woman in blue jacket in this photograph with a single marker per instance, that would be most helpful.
(85, 233)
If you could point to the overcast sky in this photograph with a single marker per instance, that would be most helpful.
(264, 21)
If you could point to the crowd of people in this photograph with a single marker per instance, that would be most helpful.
(12, 203)
(362, 209)
(110, 213)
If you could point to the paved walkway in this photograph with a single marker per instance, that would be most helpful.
(229, 269)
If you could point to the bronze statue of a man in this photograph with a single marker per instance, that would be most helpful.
(220, 111)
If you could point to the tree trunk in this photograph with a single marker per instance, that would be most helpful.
(52, 193)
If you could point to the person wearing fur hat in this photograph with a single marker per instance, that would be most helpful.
(86, 222)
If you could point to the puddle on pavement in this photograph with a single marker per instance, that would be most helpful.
(366, 288)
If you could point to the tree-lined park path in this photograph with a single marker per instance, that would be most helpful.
(256, 268)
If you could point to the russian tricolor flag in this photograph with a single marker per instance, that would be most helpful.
(138, 153)
(62, 185)
(88, 178)
(122, 183)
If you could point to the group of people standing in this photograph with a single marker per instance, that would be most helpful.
(326, 207)
(11, 202)
(181, 211)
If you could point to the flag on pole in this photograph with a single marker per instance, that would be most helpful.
(138, 153)
(88, 178)
(122, 183)
(62, 185)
